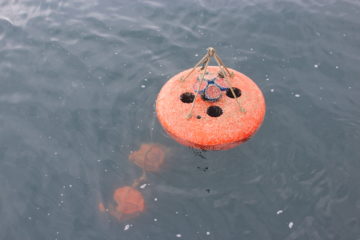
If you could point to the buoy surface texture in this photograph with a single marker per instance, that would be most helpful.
(213, 125)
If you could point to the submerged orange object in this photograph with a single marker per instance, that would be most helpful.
(101, 207)
(150, 156)
(129, 201)
(219, 115)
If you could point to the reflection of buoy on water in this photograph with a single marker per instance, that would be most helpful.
(210, 107)
(129, 203)
(150, 156)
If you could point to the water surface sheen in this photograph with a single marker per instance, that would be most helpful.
(78, 81)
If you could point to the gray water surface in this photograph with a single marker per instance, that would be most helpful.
(78, 81)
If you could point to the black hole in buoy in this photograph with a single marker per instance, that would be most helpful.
(198, 116)
(187, 97)
(214, 111)
(236, 91)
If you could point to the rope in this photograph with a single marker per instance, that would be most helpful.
(142, 178)
(223, 69)
(139, 180)
(202, 61)
(189, 115)
(220, 63)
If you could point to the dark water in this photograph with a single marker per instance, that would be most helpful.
(78, 81)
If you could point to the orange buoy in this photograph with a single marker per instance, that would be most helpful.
(150, 156)
(129, 203)
(212, 107)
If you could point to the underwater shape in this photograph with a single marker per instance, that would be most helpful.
(150, 156)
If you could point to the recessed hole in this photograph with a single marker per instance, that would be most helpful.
(187, 97)
(198, 116)
(214, 111)
(236, 91)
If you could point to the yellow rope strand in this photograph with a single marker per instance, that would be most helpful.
(139, 180)
(189, 115)
(196, 65)
(221, 66)
(220, 62)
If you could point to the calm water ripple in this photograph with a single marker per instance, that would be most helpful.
(78, 85)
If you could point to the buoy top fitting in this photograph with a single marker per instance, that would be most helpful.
(210, 107)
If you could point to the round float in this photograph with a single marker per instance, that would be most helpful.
(218, 120)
